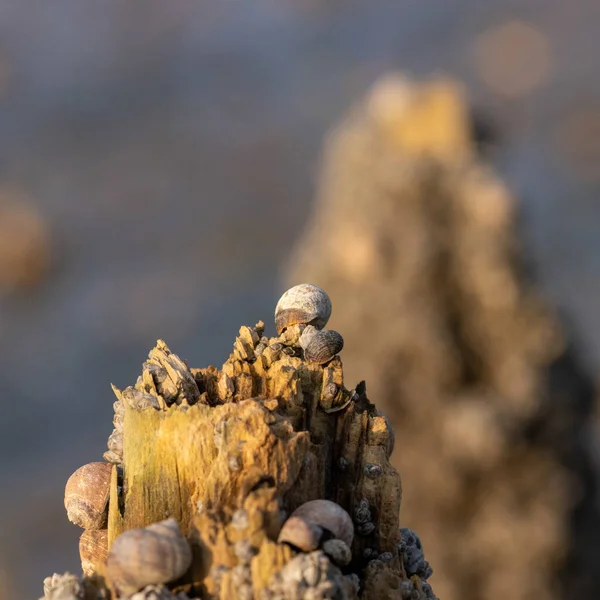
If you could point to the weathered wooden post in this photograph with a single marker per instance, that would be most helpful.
(267, 479)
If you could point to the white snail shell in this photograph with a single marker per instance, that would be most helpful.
(304, 304)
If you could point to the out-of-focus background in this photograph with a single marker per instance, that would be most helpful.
(158, 162)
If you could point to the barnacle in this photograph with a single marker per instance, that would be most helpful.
(63, 587)
(413, 557)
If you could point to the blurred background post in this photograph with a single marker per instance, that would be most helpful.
(160, 176)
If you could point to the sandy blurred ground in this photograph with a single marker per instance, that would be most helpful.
(171, 150)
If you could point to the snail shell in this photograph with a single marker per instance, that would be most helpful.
(156, 554)
(86, 495)
(303, 304)
(115, 442)
(338, 551)
(93, 548)
(323, 346)
(366, 529)
(372, 470)
(307, 335)
(328, 516)
(370, 553)
(301, 533)
(362, 513)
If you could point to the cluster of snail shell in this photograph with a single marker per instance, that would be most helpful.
(86, 501)
(308, 307)
(156, 554)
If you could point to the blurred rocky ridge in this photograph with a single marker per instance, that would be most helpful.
(416, 240)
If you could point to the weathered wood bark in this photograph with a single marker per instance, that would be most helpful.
(413, 236)
(230, 453)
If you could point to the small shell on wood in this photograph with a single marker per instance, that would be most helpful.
(366, 528)
(302, 304)
(93, 548)
(334, 398)
(115, 441)
(307, 335)
(362, 512)
(372, 470)
(323, 346)
(156, 554)
(118, 407)
(338, 407)
(86, 495)
(300, 533)
(328, 516)
(338, 551)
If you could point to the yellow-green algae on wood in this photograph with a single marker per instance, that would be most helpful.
(174, 459)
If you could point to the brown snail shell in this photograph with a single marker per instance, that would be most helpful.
(328, 516)
(93, 548)
(155, 554)
(86, 495)
(301, 533)
(323, 346)
(303, 304)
